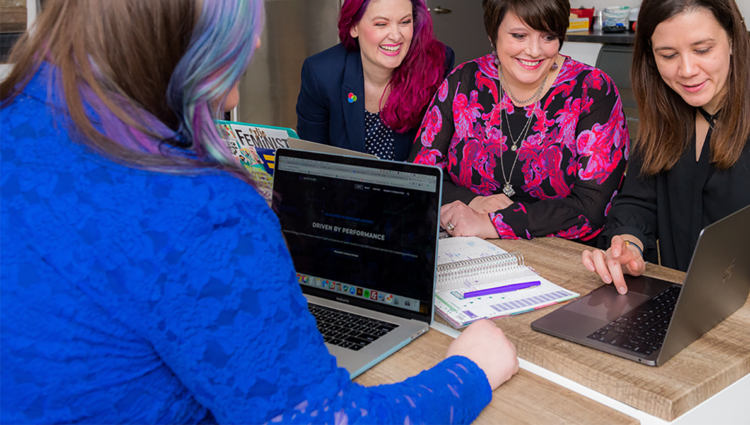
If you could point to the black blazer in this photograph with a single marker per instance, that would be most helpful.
(324, 113)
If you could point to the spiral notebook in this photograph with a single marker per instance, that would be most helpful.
(468, 266)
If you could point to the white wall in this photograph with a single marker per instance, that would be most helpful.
(5, 70)
(582, 52)
(745, 9)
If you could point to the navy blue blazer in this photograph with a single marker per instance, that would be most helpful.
(324, 114)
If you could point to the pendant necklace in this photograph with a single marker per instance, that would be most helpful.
(507, 187)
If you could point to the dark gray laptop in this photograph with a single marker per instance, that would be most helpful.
(363, 237)
(657, 319)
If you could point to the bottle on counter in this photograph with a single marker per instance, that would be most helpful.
(598, 20)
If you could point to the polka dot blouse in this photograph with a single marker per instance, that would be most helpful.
(378, 137)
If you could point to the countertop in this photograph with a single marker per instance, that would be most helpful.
(602, 37)
(627, 38)
(12, 19)
(701, 370)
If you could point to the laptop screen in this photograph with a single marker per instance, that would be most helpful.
(361, 231)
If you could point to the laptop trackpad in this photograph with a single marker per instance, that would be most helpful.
(606, 303)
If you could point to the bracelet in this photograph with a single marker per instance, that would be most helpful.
(628, 243)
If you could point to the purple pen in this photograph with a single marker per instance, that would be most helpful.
(502, 289)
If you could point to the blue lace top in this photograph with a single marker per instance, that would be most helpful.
(133, 296)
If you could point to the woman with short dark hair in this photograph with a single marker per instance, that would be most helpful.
(691, 164)
(532, 143)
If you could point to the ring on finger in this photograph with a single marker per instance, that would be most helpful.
(450, 227)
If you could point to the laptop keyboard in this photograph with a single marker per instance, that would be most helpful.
(642, 329)
(346, 329)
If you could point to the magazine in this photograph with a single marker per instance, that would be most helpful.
(255, 147)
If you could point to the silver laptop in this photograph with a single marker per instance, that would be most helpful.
(363, 237)
(320, 147)
(657, 319)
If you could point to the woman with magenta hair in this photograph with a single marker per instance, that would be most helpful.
(144, 279)
(369, 92)
(532, 143)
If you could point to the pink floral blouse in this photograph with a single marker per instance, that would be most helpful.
(569, 167)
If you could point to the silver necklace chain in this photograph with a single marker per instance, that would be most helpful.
(507, 187)
(532, 99)
(521, 136)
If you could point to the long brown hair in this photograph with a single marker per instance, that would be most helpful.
(156, 73)
(666, 120)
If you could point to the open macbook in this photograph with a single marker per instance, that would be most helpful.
(363, 237)
(657, 319)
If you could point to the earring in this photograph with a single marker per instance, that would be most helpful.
(495, 59)
(554, 66)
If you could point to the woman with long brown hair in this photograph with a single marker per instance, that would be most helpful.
(691, 164)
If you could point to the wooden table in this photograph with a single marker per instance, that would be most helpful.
(525, 399)
(12, 18)
(716, 360)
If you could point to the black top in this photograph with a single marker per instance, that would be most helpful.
(674, 206)
(379, 137)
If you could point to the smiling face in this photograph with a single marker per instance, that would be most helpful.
(385, 33)
(526, 55)
(693, 53)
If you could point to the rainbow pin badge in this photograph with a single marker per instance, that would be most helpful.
(352, 98)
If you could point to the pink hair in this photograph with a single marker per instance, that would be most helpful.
(417, 79)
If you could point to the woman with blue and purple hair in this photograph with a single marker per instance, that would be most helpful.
(143, 279)
(369, 93)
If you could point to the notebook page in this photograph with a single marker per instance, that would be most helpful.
(459, 311)
(452, 250)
